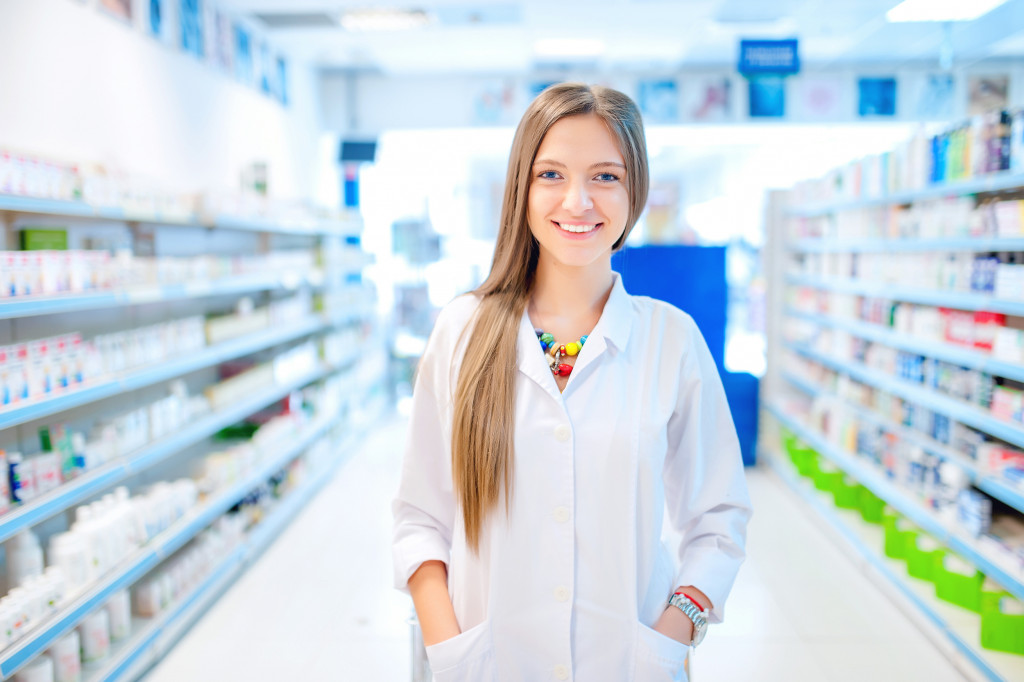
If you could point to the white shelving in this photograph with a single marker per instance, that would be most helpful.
(338, 243)
(790, 265)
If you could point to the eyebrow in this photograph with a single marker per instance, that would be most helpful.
(550, 162)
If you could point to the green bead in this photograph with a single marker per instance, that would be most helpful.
(547, 339)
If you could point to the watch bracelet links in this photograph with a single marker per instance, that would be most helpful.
(692, 610)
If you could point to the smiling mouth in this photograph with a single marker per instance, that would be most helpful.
(578, 228)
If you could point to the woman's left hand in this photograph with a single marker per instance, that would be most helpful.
(675, 624)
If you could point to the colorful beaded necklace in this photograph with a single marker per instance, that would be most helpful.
(556, 352)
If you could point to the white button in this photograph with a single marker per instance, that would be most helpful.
(562, 594)
(562, 672)
(561, 514)
(562, 433)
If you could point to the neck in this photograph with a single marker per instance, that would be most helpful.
(570, 292)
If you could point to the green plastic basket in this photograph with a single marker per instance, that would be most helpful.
(957, 581)
(921, 551)
(871, 505)
(828, 476)
(899, 533)
(1001, 631)
(847, 493)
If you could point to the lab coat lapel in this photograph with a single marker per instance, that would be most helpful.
(611, 331)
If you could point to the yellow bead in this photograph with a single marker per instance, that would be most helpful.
(572, 348)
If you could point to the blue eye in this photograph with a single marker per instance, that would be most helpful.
(548, 175)
(607, 177)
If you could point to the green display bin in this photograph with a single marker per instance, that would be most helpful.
(921, 552)
(808, 462)
(871, 505)
(847, 493)
(828, 476)
(957, 581)
(899, 533)
(1002, 624)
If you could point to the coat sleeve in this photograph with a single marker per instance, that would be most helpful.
(424, 507)
(705, 486)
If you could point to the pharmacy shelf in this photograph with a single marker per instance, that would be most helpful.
(876, 482)
(993, 182)
(960, 244)
(130, 381)
(153, 637)
(147, 558)
(959, 628)
(312, 227)
(963, 357)
(945, 299)
(984, 480)
(112, 473)
(956, 410)
(80, 209)
(30, 306)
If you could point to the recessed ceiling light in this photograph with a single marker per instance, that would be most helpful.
(941, 10)
(384, 19)
(568, 47)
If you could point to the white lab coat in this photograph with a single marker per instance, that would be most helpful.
(568, 586)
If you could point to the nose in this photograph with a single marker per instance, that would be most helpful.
(577, 199)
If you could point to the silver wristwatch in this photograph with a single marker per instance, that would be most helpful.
(694, 613)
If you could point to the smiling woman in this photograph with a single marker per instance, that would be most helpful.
(528, 522)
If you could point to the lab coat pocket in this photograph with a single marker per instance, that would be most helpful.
(659, 658)
(466, 657)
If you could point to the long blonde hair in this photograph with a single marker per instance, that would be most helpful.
(484, 411)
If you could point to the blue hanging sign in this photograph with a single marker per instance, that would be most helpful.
(777, 57)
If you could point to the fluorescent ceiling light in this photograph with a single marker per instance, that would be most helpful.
(568, 47)
(384, 19)
(941, 10)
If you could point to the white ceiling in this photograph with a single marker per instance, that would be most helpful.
(498, 36)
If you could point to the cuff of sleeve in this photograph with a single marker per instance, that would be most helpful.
(411, 554)
(714, 575)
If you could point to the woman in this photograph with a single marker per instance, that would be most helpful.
(555, 418)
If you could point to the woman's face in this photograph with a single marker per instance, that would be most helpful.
(578, 203)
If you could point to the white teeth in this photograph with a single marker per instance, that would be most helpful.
(577, 228)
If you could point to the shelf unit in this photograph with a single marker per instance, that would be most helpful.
(784, 389)
(154, 637)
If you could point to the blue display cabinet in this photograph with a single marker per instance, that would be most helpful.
(692, 278)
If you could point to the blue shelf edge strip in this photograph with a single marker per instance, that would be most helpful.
(27, 648)
(876, 562)
(993, 182)
(31, 306)
(954, 409)
(990, 484)
(894, 498)
(945, 299)
(907, 245)
(210, 355)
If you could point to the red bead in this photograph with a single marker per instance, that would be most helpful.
(563, 370)
(561, 349)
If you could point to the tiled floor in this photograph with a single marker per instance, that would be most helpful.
(319, 604)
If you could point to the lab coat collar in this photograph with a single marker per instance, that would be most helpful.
(613, 327)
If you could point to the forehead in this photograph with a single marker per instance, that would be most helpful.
(585, 138)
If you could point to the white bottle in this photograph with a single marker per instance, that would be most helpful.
(24, 558)
(39, 669)
(66, 654)
(70, 552)
(86, 527)
(95, 633)
(119, 612)
(6, 625)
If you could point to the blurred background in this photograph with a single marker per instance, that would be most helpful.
(228, 227)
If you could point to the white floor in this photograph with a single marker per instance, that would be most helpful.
(319, 604)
